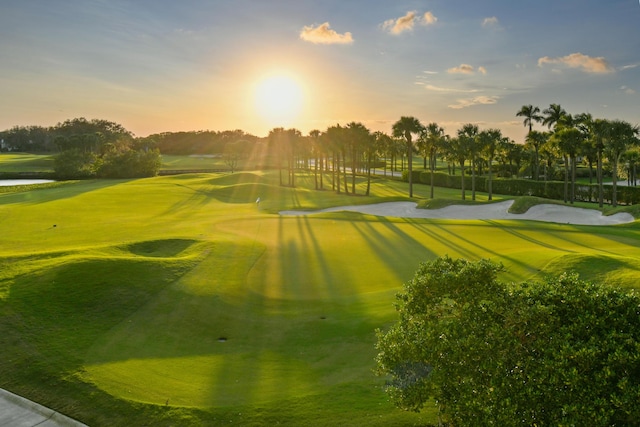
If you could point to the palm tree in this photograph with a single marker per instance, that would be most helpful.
(535, 139)
(549, 152)
(531, 114)
(360, 142)
(314, 135)
(335, 136)
(489, 141)
(553, 115)
(631, 159)
(405, 128)
(468, 136)
(383, 146)
(621, 135)
(569, 140)
(459, 150)
(600, 131)
(432, 138)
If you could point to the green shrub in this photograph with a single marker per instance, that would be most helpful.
(561, 352)
(75, 164)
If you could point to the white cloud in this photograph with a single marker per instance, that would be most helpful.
(585, 63)
(627, 90)
(462, 69)
(449, 90)
(478, 100)
(408, 22)
(466, 69)
(490, 22)
(323, 34)
(429, 18)
(628, 67)
(430, 72)
(400, 25)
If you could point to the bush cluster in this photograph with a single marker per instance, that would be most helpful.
(560, 352)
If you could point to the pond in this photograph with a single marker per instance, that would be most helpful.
(8, 182)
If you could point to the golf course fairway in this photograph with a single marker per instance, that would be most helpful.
(181, 301)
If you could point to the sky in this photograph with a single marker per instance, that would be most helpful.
(159, 65)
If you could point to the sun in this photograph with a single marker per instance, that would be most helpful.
(279, 99)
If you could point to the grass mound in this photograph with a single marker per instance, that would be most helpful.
(615, 270)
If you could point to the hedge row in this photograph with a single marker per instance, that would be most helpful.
(526, 187)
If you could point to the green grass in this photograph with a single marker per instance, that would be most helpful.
(25, 162)
(179, 301)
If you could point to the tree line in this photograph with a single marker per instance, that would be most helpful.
(88, 148)
(92, 146)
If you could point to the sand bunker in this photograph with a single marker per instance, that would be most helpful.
(545, 212)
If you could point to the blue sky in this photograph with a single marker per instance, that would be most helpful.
(157, 66)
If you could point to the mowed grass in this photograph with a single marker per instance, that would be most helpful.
(21, 162)
(180, 301)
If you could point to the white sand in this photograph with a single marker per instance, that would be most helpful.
(546, 212)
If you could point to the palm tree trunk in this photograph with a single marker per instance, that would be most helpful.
(490, 178)
(573, 179)
(566, 178)
(368, 173)
(344, 171)
(336, 171)
(410, 166)
(614, 194)
(462, 180)
(432, 166)
(599, 179)
(473, 178)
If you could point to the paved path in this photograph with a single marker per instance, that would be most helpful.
(16, 411)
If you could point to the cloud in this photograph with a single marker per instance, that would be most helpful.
(449, 90)
(585, 63)
(462, 69)
(490, 22)
(627, 90)
(323, 34)
(408, 22)
(466, 69)
(400, 25)
(429, 18)
(478, 100)
(628, 67)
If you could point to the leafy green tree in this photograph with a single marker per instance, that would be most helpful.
(560, 352)
(75, 164)
(405, 128)
(127, 161)
(232, 154)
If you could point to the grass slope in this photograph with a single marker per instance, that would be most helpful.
(179, 301)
